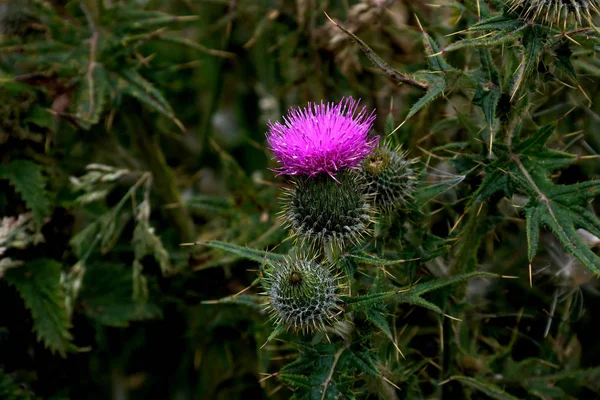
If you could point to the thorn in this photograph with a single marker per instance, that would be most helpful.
(457, 33)
(329, 18)
(399, 126)
(451, 317)
(391, 383)
(398, 349)
(530, 276)
(419, 23)
(457, 222)
(585, 94)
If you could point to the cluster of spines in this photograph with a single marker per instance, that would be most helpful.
(558, 12)
(303, 294)
(389, 177)
(323, 213)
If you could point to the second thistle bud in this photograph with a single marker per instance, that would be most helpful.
(390, 177)
(303, 294)
(326, 212)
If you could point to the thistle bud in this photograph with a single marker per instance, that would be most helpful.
(303, 294)
(558, 12)
(328, 213)
(390, 177)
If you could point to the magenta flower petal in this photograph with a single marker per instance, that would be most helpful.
(322, 138)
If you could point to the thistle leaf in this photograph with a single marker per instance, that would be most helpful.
(437, 85)
(422, 288)
(91, 96)
(368, 259)
(496, 39)
(259, 256)
(489, 389)
(563, 208)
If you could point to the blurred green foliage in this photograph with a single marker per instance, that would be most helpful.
(129, 128)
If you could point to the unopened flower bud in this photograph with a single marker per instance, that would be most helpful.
(303, 294)
(390, 177)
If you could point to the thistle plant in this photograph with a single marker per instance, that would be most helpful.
(341, 179)
(155, 228)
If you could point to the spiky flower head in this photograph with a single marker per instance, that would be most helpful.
(325, 213)
(303, 294)
(389, 176)
(322, 138)
(558, 12)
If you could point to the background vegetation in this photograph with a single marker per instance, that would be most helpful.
(128, 128)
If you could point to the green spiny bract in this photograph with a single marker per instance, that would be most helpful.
(326, 212)
(558, 12)
(390, 177)
(303, 294)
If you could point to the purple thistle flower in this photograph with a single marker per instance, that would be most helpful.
(322, 138)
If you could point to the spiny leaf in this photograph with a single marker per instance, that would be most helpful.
(563, 209)
(38, 283)
(364, 362)
(426, 287)
(322, 371)
(489, 389)
(496, 39)
(359, 302)
(368, 259)
(28, 180)
(432, 50)
(410, 293)
(420, 302)
(252, 301)
(498, 23)
(487, 96)
(487, 66)
(379, 321)
(426, 193)
(91, 96)
(437, 85)
(259, 256)
(533, 39)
